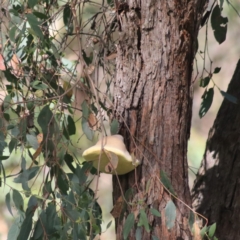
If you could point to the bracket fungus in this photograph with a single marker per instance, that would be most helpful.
(112, 154)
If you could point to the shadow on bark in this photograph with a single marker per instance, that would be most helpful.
(216, 191)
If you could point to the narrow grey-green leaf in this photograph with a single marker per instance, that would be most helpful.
(32, 3)
(114, 127)
(44, 118)
(18, 200)
(15, 229)
(155, 238)
(33, 22)
(32, 140)
(143, 220)
(155, 212)
(26, 225)
(87, 130)
(170, 213)
(166, 182)
(109, 224)
(212, 230)
(191, 219)
(138, 233)
(128, 225)
(203, 231)
(206, 102)
(229, 97)
(8, 204)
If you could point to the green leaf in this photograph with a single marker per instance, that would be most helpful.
(217, 70)
(18, 200)
(220, 34)
(10, 77)
(170, 213)
(203, 231)
(12, 33)
(4, 157)
(26, 225)
(39, 85)
(166, 182)
(32, 140)
(68, 18)
(3, 144)
(155, 212)
(32, 3)
(138, 233)
(114, 127)
(33, 22)
(219, 24)
(40, 15)
(215, 18)
(15, 228)
(221, 3)
(229, 97)
(27, 174)
(44, 118)
(87, 59)
(86, 129)
(204, 81)
(71, 126)
(155, 238)
(206, 102)
(62, 183)
(128, 225)
(85, 126)
(212, 230)
(109, 224)
(12, 144)
(7, 201)
(143, 220)
(191, 219)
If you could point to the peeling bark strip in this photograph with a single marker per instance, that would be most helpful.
(216, 191)
(153, 96)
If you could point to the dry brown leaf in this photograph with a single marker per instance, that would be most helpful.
(15, 64)
(111, 56)
(2, 65)
(196, 230)
(39, 138)
(37, 153)
(117, 208)
(92, 121)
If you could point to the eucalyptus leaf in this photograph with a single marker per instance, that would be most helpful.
(166, 182)
(114, 127)
(18, 200)
(143, 220)
(128, 225)
(170, 214)
(8, 204)
(206, 102)
(229, 97)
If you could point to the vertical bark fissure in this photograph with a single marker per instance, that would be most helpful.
(153, 95)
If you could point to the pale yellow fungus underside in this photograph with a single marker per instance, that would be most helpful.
(112, 154)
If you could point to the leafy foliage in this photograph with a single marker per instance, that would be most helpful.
(48, 52)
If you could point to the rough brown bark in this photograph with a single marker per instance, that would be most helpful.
(153, 101)
(216, 190)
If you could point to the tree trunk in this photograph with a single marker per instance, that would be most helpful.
(216, 191)
(153, 100)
